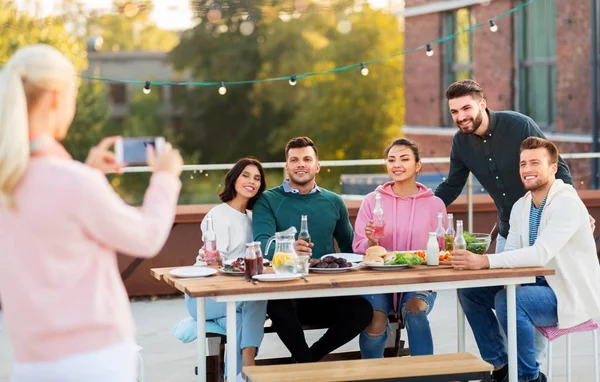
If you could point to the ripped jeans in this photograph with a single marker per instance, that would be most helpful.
(417, 324)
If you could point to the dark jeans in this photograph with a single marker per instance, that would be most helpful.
(345, 318)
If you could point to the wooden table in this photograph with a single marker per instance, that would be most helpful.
(231, 289)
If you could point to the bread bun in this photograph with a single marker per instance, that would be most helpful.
(373, 260)
(376, 251)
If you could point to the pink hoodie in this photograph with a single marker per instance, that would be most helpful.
(408, 219)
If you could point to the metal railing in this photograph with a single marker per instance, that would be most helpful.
(359, 162)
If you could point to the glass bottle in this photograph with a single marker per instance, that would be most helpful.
(459, 241)
(211, 254)
(378, 219)
(450, 233)
(433, 257)
(440, 232)
(304, 234)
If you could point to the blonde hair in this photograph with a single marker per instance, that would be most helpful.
(29, 73)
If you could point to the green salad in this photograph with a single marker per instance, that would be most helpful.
(405, 258)
(474, 244)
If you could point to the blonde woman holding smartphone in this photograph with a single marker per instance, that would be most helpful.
(65, 307)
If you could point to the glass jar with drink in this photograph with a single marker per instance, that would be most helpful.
(259, 257)
(250, 264)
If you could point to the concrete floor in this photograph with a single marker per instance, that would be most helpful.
(168, 360)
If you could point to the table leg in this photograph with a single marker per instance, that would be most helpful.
(460, 319)
(511, 308)
(201, 339)
(231, 341)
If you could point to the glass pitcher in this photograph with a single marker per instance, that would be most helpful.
(284, 259)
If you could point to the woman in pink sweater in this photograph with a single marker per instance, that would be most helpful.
(410, 211)
(65, 307)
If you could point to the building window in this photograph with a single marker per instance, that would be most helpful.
(118, 93)
(536, 36)
(458, 54)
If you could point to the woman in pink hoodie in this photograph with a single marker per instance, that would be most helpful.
(410, 211)
(61, 223)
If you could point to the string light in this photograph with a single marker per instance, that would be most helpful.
(146, 88)
(222, 89)
(293, 81)
(363, 69)
(429, 51)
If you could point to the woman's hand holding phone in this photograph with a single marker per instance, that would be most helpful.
(168, 159)
(101, 158)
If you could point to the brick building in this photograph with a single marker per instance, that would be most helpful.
(537, 63)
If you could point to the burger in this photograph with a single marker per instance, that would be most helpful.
(375, 255)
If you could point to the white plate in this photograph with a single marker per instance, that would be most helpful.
(192, 272)
(276, 277)
(333, 270)
(385, 267)
(349, 257)
(222, 270)
(228, 262)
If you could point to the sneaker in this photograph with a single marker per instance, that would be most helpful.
(541, 378)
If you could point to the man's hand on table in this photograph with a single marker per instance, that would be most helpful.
(303, 248)
(463, 259)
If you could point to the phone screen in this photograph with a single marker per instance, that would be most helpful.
(133, 150)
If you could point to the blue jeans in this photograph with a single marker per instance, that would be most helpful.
(500, 243)
(536, 306)
(417, 324)
(250, 319)
(541, 344)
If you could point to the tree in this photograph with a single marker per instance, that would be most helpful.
(348, 115)
(130, 29)
(18, 29)
(90, 124)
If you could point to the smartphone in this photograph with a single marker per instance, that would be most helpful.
(132, 151)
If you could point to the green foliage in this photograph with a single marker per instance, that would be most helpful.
(18, 29)
(347, 114)
(135, 31)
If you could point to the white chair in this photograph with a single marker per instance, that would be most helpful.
(553, 332)
(140, 376)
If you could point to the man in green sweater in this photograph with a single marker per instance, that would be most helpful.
(280, 208)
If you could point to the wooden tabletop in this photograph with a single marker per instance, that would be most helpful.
(370, 369)
(227, 285)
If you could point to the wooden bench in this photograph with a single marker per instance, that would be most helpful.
(429, 368)
(216, 359)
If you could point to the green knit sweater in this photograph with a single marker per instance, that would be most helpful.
(277, 210)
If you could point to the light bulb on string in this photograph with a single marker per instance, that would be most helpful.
(429, 51)
(293, 81)
(146, 88)
(363, 69)
(493, 26)
(222, 89)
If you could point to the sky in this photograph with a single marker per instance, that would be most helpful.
(168, 14)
